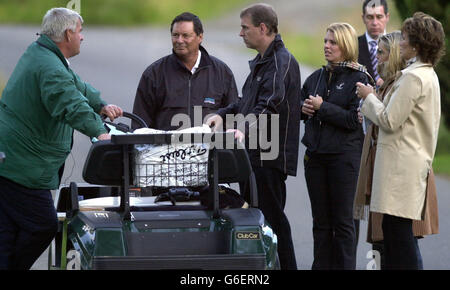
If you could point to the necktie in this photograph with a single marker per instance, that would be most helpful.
(373, 59)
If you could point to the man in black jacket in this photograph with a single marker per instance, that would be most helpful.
(271, 92)
(186, 78)
(375, 16)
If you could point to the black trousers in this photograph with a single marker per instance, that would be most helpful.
(401, 249)
(331, 180)
(271, 201)
(28, 224)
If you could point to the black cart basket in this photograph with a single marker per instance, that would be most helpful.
(118, 162)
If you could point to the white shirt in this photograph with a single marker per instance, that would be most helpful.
(197, 63)
(369, 39)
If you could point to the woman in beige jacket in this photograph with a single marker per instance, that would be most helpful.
(408, 121)
(390, 63)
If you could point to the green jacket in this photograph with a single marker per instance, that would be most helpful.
(43, 101)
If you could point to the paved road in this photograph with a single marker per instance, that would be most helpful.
(112, 60)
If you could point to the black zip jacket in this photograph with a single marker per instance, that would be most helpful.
(334, 128)
(273, 87)
(168, 88)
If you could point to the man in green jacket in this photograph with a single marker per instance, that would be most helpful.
(41, 105)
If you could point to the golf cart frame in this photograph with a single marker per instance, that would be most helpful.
(130, 236)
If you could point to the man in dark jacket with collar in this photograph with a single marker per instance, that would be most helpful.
(186, 78)
(271, 92)
(41, 105)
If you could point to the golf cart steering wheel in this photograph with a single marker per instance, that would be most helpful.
(123, 127)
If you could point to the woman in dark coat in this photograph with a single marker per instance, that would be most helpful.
(334, 138)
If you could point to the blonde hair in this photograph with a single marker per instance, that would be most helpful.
(391, 42)
(346, 39)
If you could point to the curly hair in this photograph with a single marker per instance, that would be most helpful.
(427, 36)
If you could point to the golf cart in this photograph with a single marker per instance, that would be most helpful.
(138, 213)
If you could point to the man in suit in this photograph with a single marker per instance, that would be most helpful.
(375, 16)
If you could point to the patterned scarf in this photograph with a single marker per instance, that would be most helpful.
(354, 66)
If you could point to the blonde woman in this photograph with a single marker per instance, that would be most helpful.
(333, 137)
(408, 119)
(389, 63)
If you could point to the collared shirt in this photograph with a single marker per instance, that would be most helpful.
(68, 63)
(369, 39)
(197, 63)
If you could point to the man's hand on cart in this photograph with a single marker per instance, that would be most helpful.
(111, 111)
(238, 135)
(104, 137)
(215, 122)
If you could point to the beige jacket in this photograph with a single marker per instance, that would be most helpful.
(428, 226)
(408, 119)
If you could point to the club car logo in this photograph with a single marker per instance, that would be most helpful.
(247, 235)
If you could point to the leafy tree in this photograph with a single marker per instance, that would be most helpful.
(440, 10)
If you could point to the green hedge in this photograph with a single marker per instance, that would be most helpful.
(441, 165)
(439, 9)
(116, 12)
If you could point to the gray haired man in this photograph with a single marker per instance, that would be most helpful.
(41, 105)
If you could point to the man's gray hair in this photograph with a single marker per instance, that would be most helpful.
(57, 20)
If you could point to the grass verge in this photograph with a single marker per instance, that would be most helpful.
(441, 162)
(117, 12)
(307, 49)
(2, 85)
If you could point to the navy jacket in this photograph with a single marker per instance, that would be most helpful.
(273, 87)
(364, 54)
(334, 128)
(168, 88)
